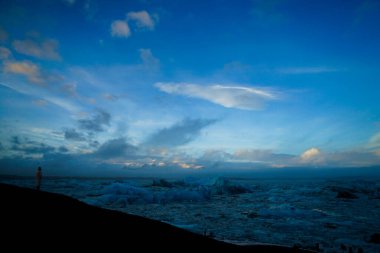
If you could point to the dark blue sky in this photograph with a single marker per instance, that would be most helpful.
(188, 83)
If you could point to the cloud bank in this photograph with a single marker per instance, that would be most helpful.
(116, 148)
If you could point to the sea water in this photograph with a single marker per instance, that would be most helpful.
(330, 214)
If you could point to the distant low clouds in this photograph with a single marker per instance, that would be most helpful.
(213, 155)
(179, 134)
(120, 28)
(263, 156)
(96, 122)
(352, 158)
(46, 49)
(310, 154)
(312, 157)
(230, 96)
(29, 147)
(140, 20)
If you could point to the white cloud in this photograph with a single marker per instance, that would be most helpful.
(306, 70)
(240, 97)
(5, 53)
(46, 49)
(142, 19)
(120, 28)
(63, 103)
(310, 154)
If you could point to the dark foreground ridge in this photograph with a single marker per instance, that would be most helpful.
(52, 222)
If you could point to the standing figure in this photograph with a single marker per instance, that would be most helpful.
(38, 178)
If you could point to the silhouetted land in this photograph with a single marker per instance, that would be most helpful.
(53, 222)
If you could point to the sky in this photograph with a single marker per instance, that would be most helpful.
(95, 86)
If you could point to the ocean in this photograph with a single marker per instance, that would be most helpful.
(325, 214)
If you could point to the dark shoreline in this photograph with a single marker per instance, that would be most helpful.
(37, 219)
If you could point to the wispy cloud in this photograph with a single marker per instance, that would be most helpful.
(63, 103)
(178, 134)
(306, 70)
(43, 94)
(230, 96)
(40, 102)
(142, 19)
(148, 59)
(70, 89)
(5, 53)
(374, 141)
(45, 49)
(110, 97)
(120, 28)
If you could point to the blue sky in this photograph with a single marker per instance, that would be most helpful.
(189, 85)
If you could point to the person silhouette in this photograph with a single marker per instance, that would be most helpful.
(38, 178)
